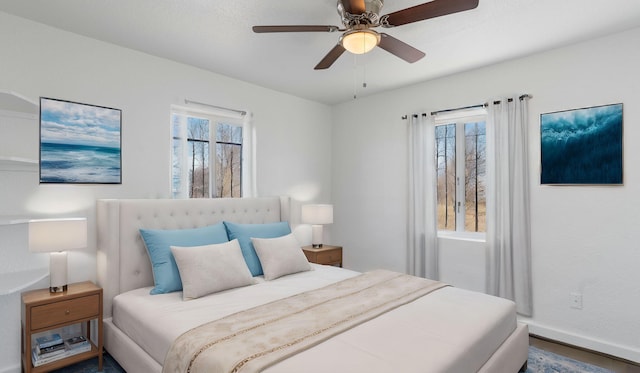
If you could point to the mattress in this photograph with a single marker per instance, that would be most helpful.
(449, 330)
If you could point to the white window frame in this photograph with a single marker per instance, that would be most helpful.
(460, 118)
(214, 119)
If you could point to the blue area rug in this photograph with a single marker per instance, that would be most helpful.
(540, 361)
(109, 365)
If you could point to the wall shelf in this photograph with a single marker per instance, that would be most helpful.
(14, 282)
(12, 101)
(18, 164)
(15, 105)
(11, 220)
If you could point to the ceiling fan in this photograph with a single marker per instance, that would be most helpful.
(359, 17)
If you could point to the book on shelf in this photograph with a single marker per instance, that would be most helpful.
(75, 342)
(78, 349)
(48, 340)
(38, 359)
(51, 350)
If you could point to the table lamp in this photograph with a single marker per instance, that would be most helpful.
(56, 236)
(317, 215)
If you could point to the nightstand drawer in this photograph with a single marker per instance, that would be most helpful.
(325, 254)
(331, 256)
(65, 311)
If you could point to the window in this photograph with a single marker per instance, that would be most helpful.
(195, 135)
(461, 173)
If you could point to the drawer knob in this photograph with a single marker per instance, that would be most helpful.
(67, 312)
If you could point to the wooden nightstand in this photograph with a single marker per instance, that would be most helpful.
(43, 311)
(326, 254)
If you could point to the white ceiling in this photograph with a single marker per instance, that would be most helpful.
(216, 35)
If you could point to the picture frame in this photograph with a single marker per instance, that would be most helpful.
(582, 146)
(79, 143)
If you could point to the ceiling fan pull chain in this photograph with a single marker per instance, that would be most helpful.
(355, 76)
(364, 73)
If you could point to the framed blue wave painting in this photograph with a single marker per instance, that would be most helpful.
(582, 146)
(79, 143)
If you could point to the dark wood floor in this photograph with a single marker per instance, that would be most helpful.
(594, 358)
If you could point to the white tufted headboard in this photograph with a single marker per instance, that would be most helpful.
(123, 263)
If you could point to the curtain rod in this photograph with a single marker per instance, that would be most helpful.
(241, 112)
(497, 102)
(461, 108)
(522, 97)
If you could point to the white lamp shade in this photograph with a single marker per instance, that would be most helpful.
(317, 214)
(47, 235)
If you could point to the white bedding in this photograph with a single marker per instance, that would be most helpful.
(154, 321)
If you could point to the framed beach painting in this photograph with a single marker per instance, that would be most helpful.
(582, 146)
(79, 143)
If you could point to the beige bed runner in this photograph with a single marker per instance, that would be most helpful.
(252, 340)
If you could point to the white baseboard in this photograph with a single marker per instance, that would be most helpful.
(615, 350)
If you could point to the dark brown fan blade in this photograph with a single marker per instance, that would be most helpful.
(399, 48)
(293, 28)
(330, 58)
(435, 8)
(354, 6)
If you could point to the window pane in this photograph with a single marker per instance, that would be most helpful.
(198, 128)
(190, 165)
(177, 123)
(198, 157)
(475, 170)
(198, 163)
(228, 160)
(176, 170)
(446, 171)
(229, 133)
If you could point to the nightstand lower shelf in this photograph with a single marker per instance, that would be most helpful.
(69, 360)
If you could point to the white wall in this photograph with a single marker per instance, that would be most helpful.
(293, 136)
(585, 239)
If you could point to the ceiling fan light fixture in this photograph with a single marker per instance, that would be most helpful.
(360, 41)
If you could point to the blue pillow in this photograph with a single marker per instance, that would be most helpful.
(244, 233)
(158, 242)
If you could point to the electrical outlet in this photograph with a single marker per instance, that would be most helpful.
(576, 301)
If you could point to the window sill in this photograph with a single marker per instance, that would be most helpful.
(463, 236)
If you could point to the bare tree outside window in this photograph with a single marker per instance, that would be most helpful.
(198, 143)
(446, 171)
(475, 162)
(229, 160)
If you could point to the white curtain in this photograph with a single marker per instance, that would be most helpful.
(422, 234)
(248, 157)
(508, 211)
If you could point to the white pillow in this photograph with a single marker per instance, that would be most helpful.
(280, 256)
(211, 268)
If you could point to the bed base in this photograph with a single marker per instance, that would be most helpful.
(127, 353)
(510, 357)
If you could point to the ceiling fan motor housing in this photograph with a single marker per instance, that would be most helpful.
(370, 16)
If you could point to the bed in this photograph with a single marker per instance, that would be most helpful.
(446, 330)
